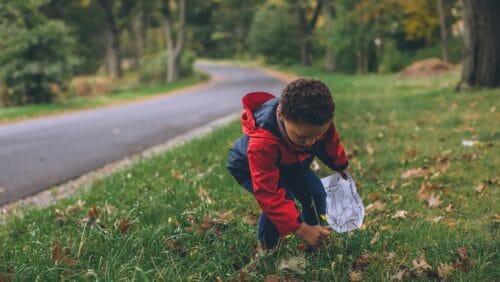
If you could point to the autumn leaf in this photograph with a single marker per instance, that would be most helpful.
(449, 208)
(370, 149)
(124, 225)
(362, 261)
(426, 189)
(433, 201)
(355, 276)
(400, 275)
(57, 253)
(415, 172)
(400, 214)
(92, 212)
(463, 262)
(375, 206)
(420, 267)
(71, 209)
(479, 188)
(295, 265)
(444, 270)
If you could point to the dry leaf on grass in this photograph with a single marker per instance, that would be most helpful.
(93, 213)
(375, 206)
(420, 267)
(400, 275)
(61, 257)
(400, 214)
(294, 265)
(124, 225)
(449, 208)
(362, 262)
(444, 270)
(415, 172)
(355, 276)
(479, 188)
(463, 263)
(433, 201)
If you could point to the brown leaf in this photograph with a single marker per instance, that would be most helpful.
(444, 270)
(124, 226)
(449, 208)
(272, 278)
(251, 219)
(370, 149)
(463, 262)
(355, 276)
(415, 172)
(420, 267)
(426, 189)
(59, 215)
(400, 214)
(479, 188)
(375, 206)
(400, 275)
(433, 201)
(362, 261)
(57, 253)
(93, 213)
(71, 209)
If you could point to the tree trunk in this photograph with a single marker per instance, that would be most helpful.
(112, 35)
(330, 60)
(303, 34)
(113, 56)
(481, 65)
(174, 48)
(138, 32)
(445, 36)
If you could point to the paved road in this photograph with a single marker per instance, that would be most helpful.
(41, 153)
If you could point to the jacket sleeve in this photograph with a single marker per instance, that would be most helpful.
(263, 163)
(331, 152)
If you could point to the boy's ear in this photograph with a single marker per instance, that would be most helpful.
(280, 116)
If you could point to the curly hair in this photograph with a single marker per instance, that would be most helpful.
(307, 101)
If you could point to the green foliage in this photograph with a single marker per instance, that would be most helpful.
(153, 68)
(274, 34)
(36, 55)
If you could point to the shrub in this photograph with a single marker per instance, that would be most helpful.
(35, 55)
(153, 68)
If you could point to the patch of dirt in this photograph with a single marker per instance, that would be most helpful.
(428, 67)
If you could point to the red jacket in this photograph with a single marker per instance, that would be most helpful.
(265, 151)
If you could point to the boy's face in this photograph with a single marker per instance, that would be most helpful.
(303, 134)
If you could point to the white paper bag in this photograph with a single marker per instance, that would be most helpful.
(344, 208)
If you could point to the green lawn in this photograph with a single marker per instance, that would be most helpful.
(180, 216)
(81, 103)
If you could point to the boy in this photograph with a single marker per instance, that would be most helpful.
(271, 160)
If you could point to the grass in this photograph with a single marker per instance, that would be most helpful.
(11, 114)
(180, 216)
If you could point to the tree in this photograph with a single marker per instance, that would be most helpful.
(329, 12)
(306, 28)
(36, 53)
(174, 49)
(445, 31)
(481, 66)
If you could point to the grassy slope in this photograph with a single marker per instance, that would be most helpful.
(180, 216)
(81, 103)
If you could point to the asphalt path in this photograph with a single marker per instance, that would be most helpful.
(41, 153)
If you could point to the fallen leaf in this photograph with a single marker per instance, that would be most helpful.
(444, 270)
(294, 265)
(124, 226)
(92, 212)
(400, 214)
(479, 188)
(375, 238)
(433, 201)
(449, 208)
(426, 189)
(400, 275)
(415, 172)
(375, 206)
(390, 256)
(272, 278)
(57, 253)
(420, 267)
(71, 209)
(59, 215)
(362, 261)
(251, 219)
(355, 276)
(370, 149)
(463, 262)
(177, 174)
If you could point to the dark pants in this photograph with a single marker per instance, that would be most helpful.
(303, 185)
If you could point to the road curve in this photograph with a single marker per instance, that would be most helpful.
(41, 153)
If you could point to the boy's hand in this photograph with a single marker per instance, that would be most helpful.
(313, 235)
